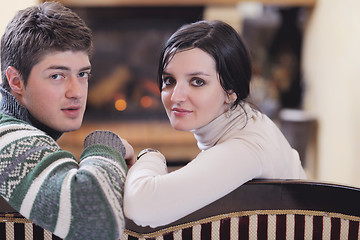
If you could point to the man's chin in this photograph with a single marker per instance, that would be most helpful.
(70, 130)
(69, 127)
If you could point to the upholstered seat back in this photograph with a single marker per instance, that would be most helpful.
(13, 226)
(260, 209)
(268, 209)
(262, 224)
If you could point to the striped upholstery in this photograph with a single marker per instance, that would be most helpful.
(257, 210)
(268, 209)
(262, 224)
(15, 227)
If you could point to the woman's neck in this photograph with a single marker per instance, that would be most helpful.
(210, 134)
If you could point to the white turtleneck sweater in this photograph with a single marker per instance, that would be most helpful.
(235, 149)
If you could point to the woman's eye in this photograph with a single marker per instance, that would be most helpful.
(168, 81)
(197, 82)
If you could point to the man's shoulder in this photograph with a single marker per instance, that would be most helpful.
(9, 123)
(16, 130)
(6, 119)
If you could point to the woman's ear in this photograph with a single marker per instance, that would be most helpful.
(231, 97)
(15, 80)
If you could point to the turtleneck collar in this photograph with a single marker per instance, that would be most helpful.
(210, 134)
(9, 105)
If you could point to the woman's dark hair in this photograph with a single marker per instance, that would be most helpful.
(224, 44)
(39, 30)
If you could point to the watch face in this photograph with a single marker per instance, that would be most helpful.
(143, 152)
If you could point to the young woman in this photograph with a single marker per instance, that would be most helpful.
(204, 77)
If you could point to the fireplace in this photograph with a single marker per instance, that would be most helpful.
(127, 43)
(123, 92)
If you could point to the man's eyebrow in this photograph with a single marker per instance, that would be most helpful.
(85, 68)
(59, 67)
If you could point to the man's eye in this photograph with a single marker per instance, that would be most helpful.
(84, 74)
(56, 76)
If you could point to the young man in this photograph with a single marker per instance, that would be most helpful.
(45, 69)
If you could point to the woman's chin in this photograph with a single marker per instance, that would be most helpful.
(180, 127)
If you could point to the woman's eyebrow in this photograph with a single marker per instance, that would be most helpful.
(191, 74)
(198, 73)
(166, 73)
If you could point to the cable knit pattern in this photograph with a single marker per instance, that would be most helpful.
(10, 106)
(74, 200)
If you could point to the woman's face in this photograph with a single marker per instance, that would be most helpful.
(191, 90)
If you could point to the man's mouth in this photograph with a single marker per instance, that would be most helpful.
(72, 111)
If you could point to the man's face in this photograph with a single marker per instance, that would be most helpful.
(57, 88)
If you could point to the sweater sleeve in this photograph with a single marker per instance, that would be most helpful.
(74, 200)
(154, 197)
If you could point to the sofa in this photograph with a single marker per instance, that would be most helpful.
(259, 209)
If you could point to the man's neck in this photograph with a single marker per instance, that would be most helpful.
(10, 105)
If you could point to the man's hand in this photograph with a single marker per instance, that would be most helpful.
(129, 156)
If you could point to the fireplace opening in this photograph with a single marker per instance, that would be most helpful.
(127, 45)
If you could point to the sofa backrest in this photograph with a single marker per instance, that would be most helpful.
(259, 209)
(268, 209)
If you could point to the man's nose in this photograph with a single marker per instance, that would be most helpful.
(74, 88)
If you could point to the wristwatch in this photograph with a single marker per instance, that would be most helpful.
(145, 151)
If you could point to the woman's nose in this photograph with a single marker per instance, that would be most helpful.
(179, 93)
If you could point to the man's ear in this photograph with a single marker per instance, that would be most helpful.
(15, 80)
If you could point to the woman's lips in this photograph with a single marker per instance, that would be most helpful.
(180, 112)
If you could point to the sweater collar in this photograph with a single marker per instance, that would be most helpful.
(10, 106)
(216, 131)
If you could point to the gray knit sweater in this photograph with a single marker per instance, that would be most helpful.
(73, 199)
